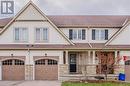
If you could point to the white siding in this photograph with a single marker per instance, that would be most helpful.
(30, 14)
(111, 31)
(54, 36)
(122, 38)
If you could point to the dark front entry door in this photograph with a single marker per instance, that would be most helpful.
(72, 62)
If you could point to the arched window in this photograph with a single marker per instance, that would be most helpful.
(13, 62)
(40, 62)
(52, 62)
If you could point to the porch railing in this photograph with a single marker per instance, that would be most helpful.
(91, 68)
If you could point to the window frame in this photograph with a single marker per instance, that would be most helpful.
(77, 34)
(21, 36)
(100, 34)
(41, 35)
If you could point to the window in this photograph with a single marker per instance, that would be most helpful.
(20, 34)
(99, 34)
(52, 62)
(7, 62)
(41, 34)
(40, 62)
(18, 62)
(77, 34)
(13, 62)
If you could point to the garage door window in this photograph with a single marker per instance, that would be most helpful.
(7, 62)
(13, 62)
(52, 62)
(40, 62)
(18, 62)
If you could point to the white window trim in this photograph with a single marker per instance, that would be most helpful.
(20, 41)
(99, 35)
(41, 41)
(77, 35)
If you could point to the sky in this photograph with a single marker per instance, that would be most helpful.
(77, 7)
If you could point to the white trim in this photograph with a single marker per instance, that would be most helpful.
(89, 57)
(20, 41)
(33, 77)
(117, 33)
(0, 70)
(24, 8)
(41, 41)
(67, 57)
(115, 54)
(125, 22)
(94, 57)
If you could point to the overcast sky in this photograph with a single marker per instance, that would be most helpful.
(78, 7)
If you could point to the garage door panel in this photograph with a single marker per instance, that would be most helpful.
(19, 72)
(13, 70)
(46, 71)
(6, 74)
(39, 71)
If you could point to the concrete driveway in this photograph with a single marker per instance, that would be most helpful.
(30, 83)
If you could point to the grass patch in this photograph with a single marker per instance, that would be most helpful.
(94, 84)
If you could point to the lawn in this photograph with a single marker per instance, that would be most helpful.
(94, 84)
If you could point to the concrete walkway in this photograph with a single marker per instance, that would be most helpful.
(30, 83)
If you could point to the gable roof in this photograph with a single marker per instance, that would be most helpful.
(22, 10)
(117, 33)
(82, 21)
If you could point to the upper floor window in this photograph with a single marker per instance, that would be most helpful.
(99, 34)
(77, 34)
(41, 34)
(21, 34)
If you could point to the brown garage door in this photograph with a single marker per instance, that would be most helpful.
(46, 69)
(13, 69)
(127, 70)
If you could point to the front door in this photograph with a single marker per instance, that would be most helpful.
(72, 63)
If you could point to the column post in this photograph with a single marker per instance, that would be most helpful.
(66, 56)
(115, 54)
(93, 57)
(0, 70)
(64, 65)
(89, 59)
(91, 67)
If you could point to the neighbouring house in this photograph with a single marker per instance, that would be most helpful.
(35, 46)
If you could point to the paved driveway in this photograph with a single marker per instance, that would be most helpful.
(30, 83)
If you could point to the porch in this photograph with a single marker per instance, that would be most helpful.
(89, 64)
